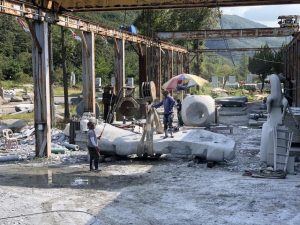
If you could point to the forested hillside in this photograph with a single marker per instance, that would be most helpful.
(15, 50)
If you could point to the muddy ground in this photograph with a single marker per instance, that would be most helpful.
(163, 191)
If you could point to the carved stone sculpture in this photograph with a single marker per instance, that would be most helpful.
(276, 107)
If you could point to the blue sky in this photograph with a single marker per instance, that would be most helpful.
(266, 15)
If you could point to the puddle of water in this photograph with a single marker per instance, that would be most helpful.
(47, 178)
(78, 181)
(64, 177)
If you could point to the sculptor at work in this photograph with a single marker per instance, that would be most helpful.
(168, 102)
(93, 146)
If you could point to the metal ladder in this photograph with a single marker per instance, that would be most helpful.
(282, 145)
(293, 116)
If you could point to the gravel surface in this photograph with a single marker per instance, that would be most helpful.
(163, 191)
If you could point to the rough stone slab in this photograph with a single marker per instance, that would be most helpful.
(116, 140)
(14, 124)
(24, 107)
(196, 142)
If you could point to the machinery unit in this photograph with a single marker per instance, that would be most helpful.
(290, 21)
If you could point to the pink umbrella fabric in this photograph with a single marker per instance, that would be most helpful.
(184, 81)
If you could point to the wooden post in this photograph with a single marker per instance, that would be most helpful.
(177, 64)
(65, 75)
(51, 74)
(167, 65)
(150, 63)
(186, 66)
(170, 65)
(293, 76)
(159, 93)
(180, 63)
(157, 72)
(120, 64)
(40, 65)
(164, 60)
(88, 72)
(142, 66)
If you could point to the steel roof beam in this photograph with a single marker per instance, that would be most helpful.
(29, 11)
(232, 49)
(109, 5)
(228, 33)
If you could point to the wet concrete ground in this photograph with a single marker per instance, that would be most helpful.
(144, 192)
(73, 176)
(167, 191)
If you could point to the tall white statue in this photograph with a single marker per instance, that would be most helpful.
(276, 107)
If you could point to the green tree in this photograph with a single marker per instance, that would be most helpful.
(262, 63)
(151, 21)
(104, 59)
(216, 65)
(12, 70)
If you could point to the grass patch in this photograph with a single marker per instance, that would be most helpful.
(22, 116)
(9, 84)
(72, 92)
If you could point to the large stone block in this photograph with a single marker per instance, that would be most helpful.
(193, 142)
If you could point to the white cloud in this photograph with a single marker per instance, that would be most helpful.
(263, 14)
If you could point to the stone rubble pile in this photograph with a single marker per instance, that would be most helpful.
(61, 150)
(258, 115)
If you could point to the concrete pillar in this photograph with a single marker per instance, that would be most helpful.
(88, 71)
(120, 64)
(41, 78)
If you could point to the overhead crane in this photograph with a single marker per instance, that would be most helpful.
(228, 33)
(232, 49)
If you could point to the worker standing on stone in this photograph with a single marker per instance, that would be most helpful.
(93, 146)
(168, 102)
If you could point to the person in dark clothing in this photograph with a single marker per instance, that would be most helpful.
(93, 146)
(168, 102)
(179, 106)
(108, 99)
